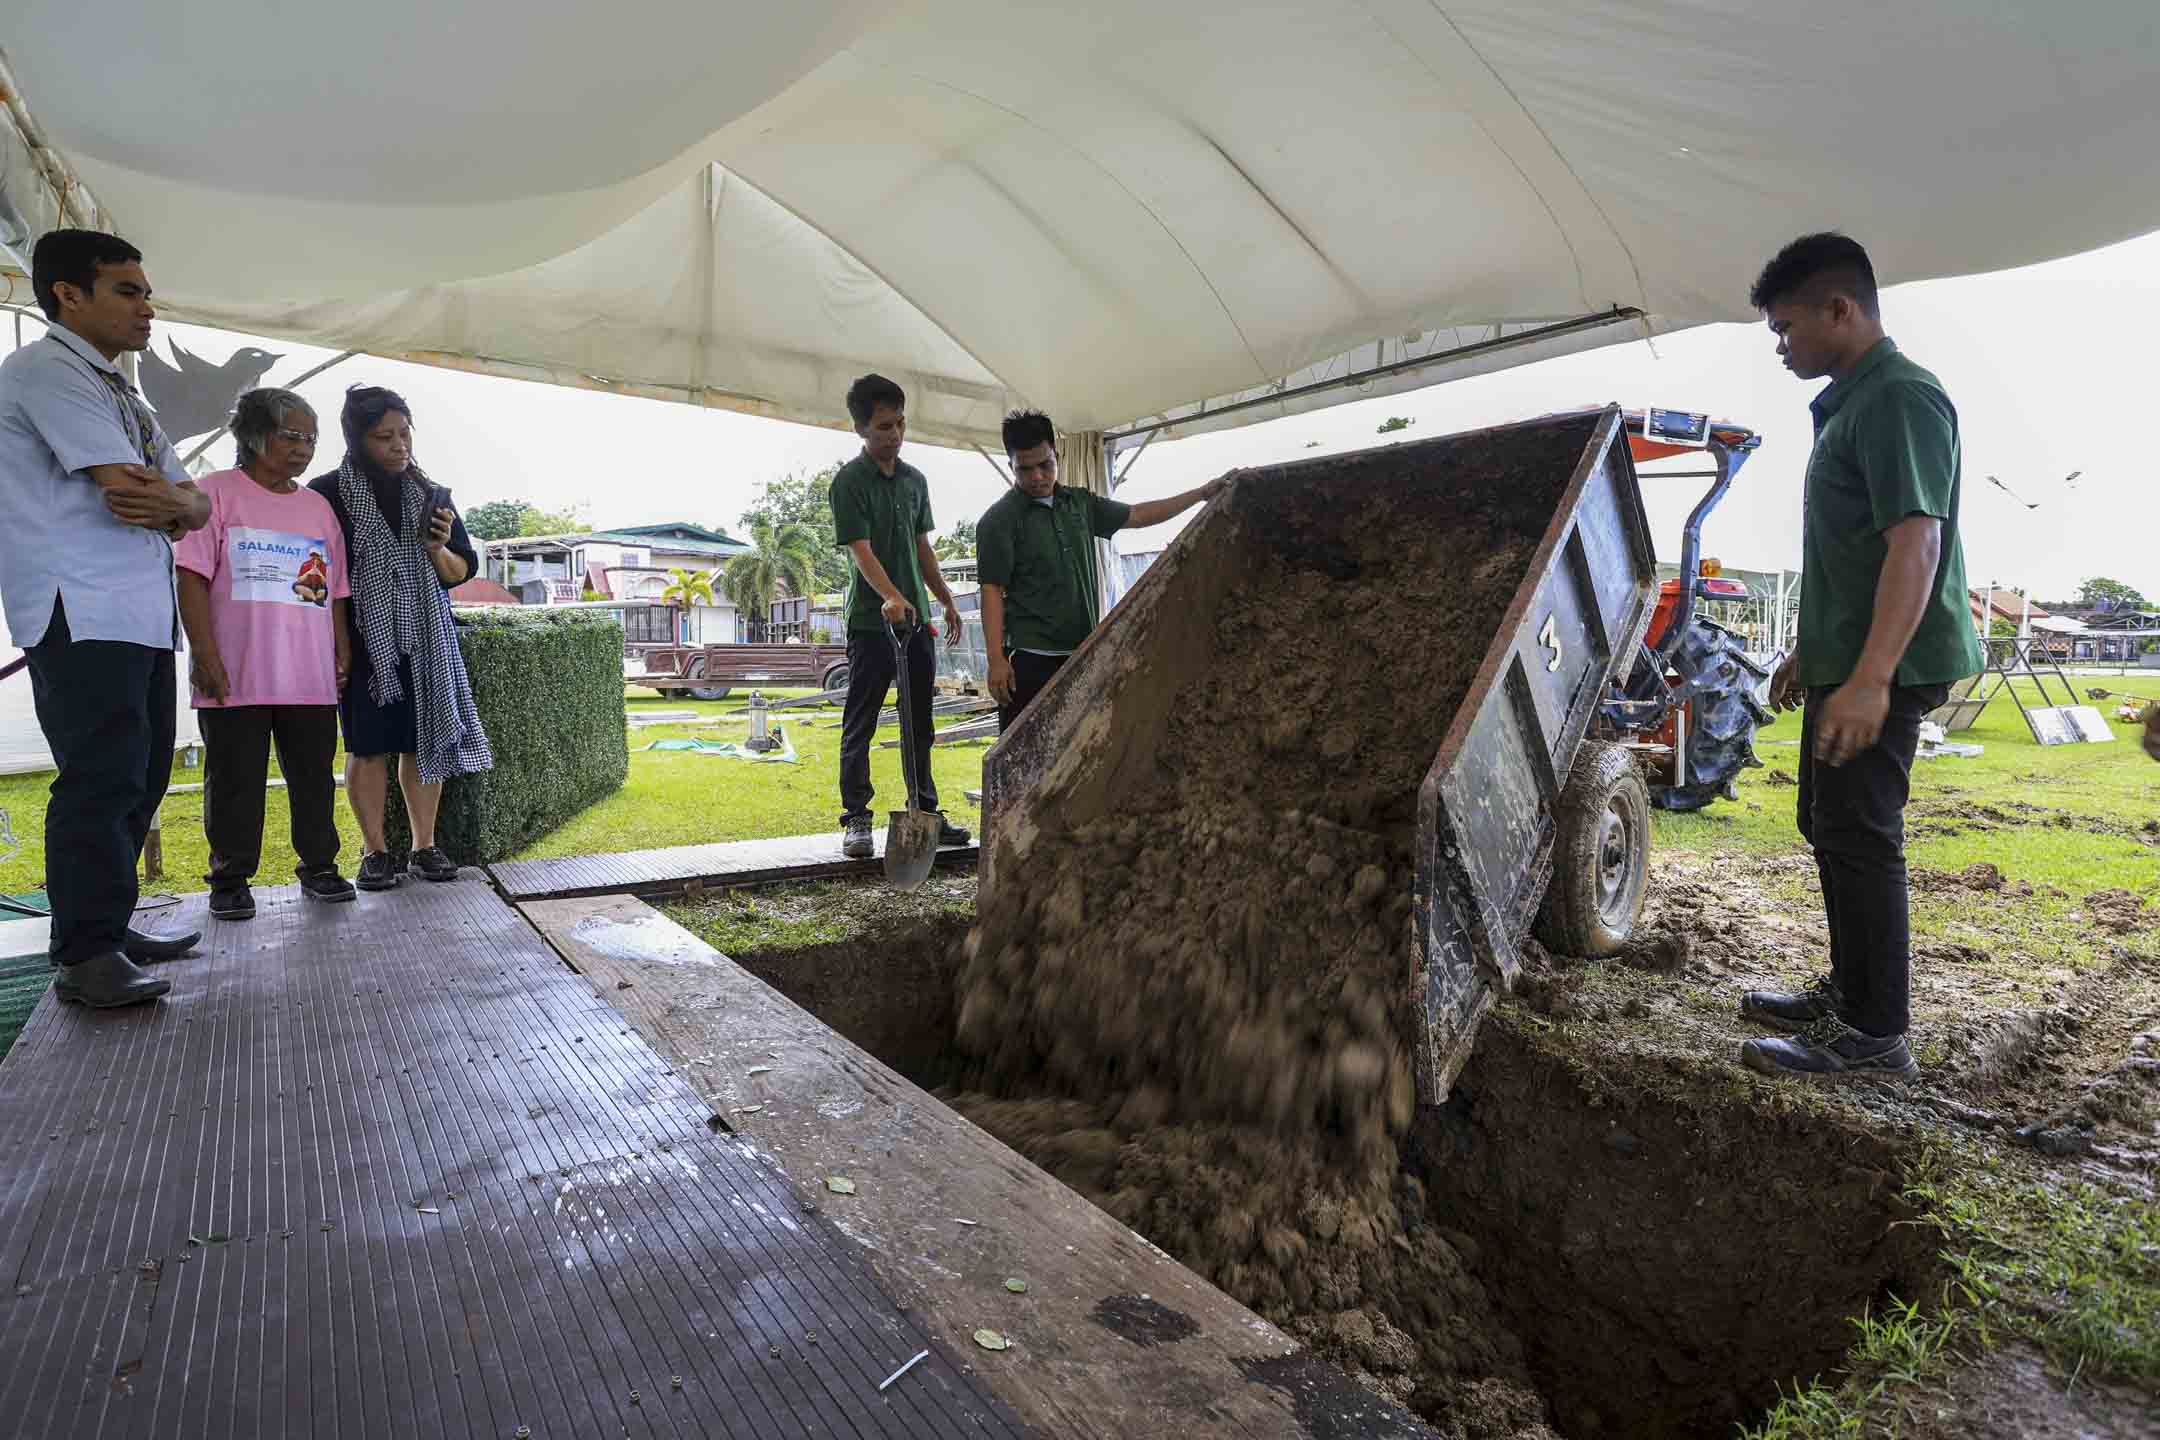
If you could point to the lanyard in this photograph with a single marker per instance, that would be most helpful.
(134, 415)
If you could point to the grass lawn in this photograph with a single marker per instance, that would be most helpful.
(669, 799)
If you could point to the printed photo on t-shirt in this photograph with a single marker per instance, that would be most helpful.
(272, 567)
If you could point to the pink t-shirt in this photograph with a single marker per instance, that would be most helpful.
(274, 563)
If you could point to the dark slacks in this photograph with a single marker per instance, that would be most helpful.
(1854, 817)
(1030, 673)
(106, 708)
(871, 672)
(236, 765)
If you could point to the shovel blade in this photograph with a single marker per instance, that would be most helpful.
(910, 847)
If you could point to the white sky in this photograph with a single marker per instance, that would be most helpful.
(2048, 367)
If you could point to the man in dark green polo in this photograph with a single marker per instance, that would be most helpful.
(881, 513)
(1035, 556)
(1885, 629)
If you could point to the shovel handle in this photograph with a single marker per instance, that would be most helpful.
(903, 635)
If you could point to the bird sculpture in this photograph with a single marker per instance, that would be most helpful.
(193, 396)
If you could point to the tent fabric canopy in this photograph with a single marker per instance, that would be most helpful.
(1120, 212)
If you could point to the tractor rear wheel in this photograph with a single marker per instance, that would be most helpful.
(1722, 718)
(1601, 855)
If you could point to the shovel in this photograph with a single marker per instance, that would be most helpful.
(911, 835)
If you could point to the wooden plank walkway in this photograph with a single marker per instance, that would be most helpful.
(669, 871)
(390, 1169)
(1113, 1337)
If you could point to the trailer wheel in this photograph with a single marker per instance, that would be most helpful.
(1601, 855)
(835, 678)
(707, 692)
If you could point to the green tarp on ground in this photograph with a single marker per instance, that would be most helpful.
(731, 750)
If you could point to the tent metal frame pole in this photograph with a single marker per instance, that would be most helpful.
(1597, 320)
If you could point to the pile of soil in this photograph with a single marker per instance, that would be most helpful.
(1214, 985)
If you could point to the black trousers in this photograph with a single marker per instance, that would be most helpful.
(106, 708)
(872, 668)
(1030, 673)
(1854, 817)
(236, 764)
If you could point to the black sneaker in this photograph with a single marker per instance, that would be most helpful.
(378, 871)
(432, 864)
(1830, 1049)
(1791, 1009)
(232, 904)
(325, 885)
(950, 834)
(858, 843)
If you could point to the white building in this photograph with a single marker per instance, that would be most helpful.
(636, 562)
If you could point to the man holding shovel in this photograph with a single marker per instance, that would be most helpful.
(881, 513)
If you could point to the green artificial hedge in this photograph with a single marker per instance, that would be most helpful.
(549, 687)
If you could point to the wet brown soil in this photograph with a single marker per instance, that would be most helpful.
(1205, 997)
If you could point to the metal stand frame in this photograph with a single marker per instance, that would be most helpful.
(2008, 658)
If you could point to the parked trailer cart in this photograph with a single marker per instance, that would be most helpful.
(709, 672)
(1515, 788)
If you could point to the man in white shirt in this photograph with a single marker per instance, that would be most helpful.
(91, 496)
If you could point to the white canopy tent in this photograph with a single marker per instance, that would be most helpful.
(1206, 212)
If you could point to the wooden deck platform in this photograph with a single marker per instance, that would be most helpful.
(1112, 1336)
(673, 869)
(390, 1169)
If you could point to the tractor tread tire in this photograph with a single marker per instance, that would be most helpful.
(1570, 920)
(1721, 739)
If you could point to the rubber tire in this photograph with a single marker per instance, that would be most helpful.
(1570, 919)
(835, 678)
(1721, 729)
(707, 692)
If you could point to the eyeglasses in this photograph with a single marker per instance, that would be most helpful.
(295, 437)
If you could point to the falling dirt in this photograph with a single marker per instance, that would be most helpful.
(1213, 982)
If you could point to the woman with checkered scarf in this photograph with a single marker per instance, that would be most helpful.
(409, 697)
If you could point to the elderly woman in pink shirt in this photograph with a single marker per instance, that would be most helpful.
(263, 592)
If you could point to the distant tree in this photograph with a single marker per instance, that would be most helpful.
(2003, 629)
(805, 500)
(496, 520)
(1394, 423)
(689, 587)
(956, 542)
(2101, 592)
(542, 522)
(510, 519)
(779, 556)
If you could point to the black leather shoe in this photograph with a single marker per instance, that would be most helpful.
(949, 833)
(326, 885)
(149, 949)
(106, 982)
(1830, 1049)
(232, 904)
(432, 864)
(378, 872)
(1791, 1009)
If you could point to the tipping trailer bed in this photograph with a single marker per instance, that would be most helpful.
(1489, 802)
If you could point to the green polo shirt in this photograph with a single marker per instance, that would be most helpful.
(889, 511)
(1886, 448)
(1042, 555)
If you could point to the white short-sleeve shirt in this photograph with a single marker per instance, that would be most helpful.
(58, 417)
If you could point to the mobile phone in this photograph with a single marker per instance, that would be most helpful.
(438, 499)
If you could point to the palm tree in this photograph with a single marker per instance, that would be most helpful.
(689, 587)
(783, 555)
